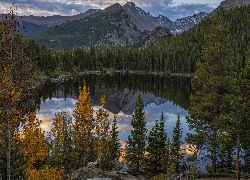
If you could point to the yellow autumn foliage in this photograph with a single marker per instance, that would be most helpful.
(56, 130)
(84, 124)
(101, 128)
(45, 173)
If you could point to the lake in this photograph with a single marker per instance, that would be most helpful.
(169, 95)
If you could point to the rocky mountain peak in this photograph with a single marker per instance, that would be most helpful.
(91, 11)
(143, 20)
(131, 4)
(229, 4)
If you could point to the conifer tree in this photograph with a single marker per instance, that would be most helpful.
(136, 143)
(110, 159)
(240, 117)
(62, 154)
(176, 154)
(158, 152)
(213, 89)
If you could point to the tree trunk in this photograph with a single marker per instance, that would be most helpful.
(214, 150)
(238, 158)
(8, 140)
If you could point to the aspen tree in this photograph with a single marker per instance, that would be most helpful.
(101, 129)
(84, 126)
(34, 150)
(17, 72)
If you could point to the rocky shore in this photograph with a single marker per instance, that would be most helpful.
(97, 174)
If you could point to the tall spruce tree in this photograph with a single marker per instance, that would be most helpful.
(240, 118)
(110, 159)
(176, 150)
(213, 89)
(158, 152)
(136, 143)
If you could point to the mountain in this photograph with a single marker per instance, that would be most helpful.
(56, 19)
(30, 28)
(115, 26)
(157, 35)
(111, 27)
(145, 21)
(229, 4)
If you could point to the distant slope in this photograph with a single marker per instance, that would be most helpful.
(30, 28)
(56, 19)
(229, 4)
(111, 27)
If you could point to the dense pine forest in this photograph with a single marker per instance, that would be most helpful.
(176, 55)
(216, 51)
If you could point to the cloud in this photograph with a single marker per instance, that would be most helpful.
(46, 126)
(167, 8)
(178, 11)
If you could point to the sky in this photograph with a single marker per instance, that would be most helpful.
(173, 9)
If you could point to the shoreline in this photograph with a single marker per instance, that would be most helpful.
(63, 77)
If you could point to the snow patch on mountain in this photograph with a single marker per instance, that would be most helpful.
(145, 21)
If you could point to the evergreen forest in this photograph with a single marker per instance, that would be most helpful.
(178, 54)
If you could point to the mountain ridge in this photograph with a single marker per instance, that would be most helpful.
(118, 26)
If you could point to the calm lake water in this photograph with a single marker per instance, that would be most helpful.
(167, 94)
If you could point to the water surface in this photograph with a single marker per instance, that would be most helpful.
(169, 95)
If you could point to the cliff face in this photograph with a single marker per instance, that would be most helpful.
(145, 21)
(124, 31)
(157, 35)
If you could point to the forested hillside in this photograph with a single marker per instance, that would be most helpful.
(176, 55)
(111, 27)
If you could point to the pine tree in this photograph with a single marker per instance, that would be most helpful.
(213, 89)
(240, 117)
(176, 154)
(62, 154)
(158, 152)
(136, 143)
(110, 159)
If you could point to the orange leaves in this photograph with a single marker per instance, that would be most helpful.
(32, 139)
(34, 149)
(102, 127)
(56, 130)
(84, 121)
(90, 132)
(45, 173)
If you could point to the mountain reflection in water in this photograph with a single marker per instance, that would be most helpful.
(167, 94)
